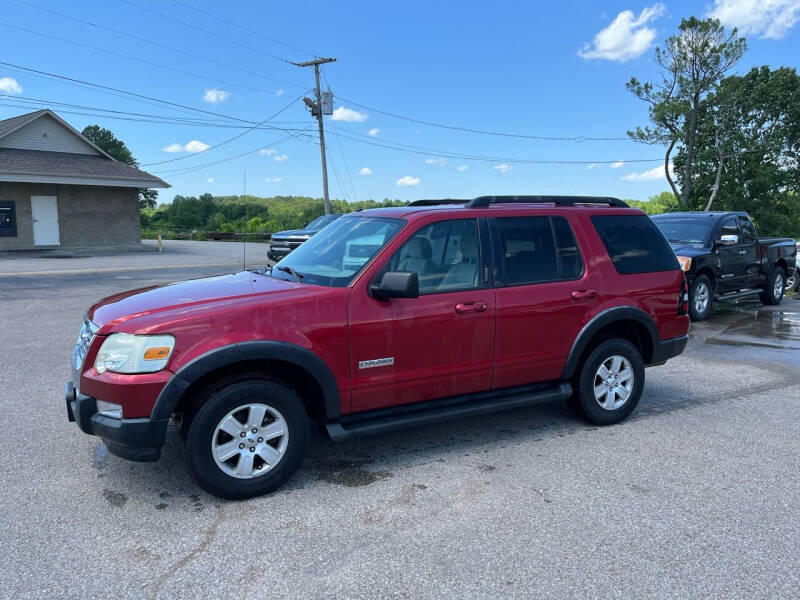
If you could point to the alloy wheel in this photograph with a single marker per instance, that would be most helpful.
(613, 382)
(249, 441)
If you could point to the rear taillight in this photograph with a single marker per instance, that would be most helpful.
(683, 298)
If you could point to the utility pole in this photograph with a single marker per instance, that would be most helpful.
(318, 109)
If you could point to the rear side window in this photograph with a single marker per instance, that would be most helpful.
(635, 244)
(535, 250)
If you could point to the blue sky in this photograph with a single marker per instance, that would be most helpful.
(538, 69)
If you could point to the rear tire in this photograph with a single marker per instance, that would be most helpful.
(701, 294)
(609, 384)
(776, 286)
(247, 437)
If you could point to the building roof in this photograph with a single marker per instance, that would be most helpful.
(88, 165)
(36, 166)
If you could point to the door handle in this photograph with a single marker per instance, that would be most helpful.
(584, 294)
(471, 307)
(742, 251)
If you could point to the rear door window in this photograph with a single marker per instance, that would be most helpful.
(535, 250)
(635, 244)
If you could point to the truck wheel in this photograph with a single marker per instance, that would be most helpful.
(792, 282)
(247, 438)
(776, 285)
(610, 383)
(700, 297)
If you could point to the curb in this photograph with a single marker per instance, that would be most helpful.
(119, 269)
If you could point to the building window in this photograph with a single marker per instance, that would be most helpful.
(8, 219)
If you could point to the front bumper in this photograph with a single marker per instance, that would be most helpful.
(134, 439)
(279, 253)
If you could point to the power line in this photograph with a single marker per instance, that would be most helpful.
(120, 91)
(206, 31)
(253, 31)
(235, 137)
(341, 149)
(160, 45)
(202, 76)
(28, 102)
(580, 138)
(473, 157)
(185, 170)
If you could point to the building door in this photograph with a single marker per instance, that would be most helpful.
(45, 221)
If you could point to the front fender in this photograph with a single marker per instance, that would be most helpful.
(246, 351)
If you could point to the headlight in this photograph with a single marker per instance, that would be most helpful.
(685, 262)
(126, 353)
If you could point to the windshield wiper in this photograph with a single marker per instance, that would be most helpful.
(295, 275)
(674, 240)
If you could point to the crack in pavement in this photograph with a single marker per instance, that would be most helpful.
(208, 538)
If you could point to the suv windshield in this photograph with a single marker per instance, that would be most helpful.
(692, 231)
(334, 256)
(321, 222)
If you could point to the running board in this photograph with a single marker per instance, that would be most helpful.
(436, 411)
(735, 295)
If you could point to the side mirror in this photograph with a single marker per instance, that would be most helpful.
(729, 239)
(396, 284)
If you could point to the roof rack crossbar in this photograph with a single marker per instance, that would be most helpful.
(435, 202)
(483, 201)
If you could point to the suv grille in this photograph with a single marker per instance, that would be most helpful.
(85, 337)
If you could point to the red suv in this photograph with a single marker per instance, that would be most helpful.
(384, 319)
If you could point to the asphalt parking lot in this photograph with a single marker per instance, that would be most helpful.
(697, 495)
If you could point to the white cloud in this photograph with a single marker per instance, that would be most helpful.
(210, 180)
(9, 85)
(215, 96)
(626, 37)
(591, 166)
(267, 151)
(280, 158)
(196, 146)
(503, 168)
(617, 165)
(279, 92)
(273, 179)
(348, 114)
(650, 175)
(462, 168)
(192, 146)
(373, 132)
(435, 161)
(365, 171)
(765, 18)
(407, 180)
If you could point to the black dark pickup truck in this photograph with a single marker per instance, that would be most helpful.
(723, 258)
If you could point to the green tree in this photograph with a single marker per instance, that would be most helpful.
(655, 205)
(692, 63)
(751, 159)
(116, 148)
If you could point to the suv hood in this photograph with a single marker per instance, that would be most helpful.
(685, 249)
(291, 233)
(148, 300)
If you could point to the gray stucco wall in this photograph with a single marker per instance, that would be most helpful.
(89, 216)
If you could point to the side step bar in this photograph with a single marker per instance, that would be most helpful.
(435, 411)
(735, 295)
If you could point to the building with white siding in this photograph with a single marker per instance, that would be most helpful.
(57, 189)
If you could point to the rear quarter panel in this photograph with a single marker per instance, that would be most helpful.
(656, 294)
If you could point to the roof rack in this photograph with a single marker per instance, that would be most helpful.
(434, 202)
(483, 201)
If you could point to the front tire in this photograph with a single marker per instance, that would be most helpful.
(701, 293)
(610, 383)
(776, 286)
(247, 438)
